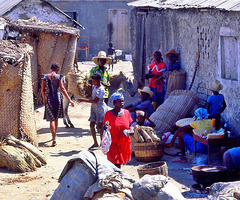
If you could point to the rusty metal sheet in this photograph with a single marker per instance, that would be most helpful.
(229, 5)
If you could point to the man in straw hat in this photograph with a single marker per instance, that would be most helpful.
(145, 104)
(100, 61)
(216, 103)
(172, 64)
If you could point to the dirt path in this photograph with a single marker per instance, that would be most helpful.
(42, 183)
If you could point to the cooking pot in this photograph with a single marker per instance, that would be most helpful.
(208, 174)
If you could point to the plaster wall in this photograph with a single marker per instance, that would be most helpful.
(28, 9)
(186, 30)
(93, 16)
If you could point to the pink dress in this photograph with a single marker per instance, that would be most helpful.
(120, 149)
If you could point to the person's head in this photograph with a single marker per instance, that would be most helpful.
(96, 78)
(215, 86)
(55, 67)
(157, 55)
(201, 113)
(118, 99)
(110, 44)
(172, 55)
(101, 59)
(140, 117)
(145, 93)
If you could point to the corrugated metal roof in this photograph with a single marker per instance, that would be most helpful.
(7, 5)
(229, 5)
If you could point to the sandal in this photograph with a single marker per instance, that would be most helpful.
(54, 143)
(180, 160)
(93, 147)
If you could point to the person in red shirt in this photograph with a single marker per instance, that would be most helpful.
(156, 83)
(119, 119)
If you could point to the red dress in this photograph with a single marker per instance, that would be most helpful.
(120, 149)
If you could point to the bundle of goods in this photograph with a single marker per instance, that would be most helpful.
(16, 91)
(177, 106)
(176, 81)
(148, 147)
(20, 156)
(78, 84)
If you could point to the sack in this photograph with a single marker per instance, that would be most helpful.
(106, 141)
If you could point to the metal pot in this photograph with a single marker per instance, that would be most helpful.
(208, 174)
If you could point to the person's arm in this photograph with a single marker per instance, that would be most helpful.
(151, 123)
(64, 92)
(208, 107)
(182, 129)
(43, 91)
(88, 100)
(129, 106)
(223, 106)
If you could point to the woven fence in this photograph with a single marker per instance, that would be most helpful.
(16, 91)
(51, 43)
(177, 106)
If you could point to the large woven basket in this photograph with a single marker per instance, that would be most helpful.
(176, 81)
(154, 168)
(149, 152)
(177, 106)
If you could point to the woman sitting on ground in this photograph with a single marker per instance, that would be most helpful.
(143, 120)
(202, 122)
(145, 104)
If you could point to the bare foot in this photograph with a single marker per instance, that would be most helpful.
(95, 145)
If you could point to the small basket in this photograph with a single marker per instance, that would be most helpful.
(149, 152)
(154, 168)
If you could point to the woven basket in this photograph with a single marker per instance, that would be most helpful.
(149, 152)
(154, 168)
(177, 106)
(176, 81)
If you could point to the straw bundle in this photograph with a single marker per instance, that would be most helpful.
(16, 159)
(16, 98)
(177, 106)
(176, 81)
(78, 84)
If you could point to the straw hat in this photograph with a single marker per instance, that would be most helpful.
(172, 51)
(216, 86)
(101, 54)
(146, 90)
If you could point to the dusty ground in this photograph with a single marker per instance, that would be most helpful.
(42, 183)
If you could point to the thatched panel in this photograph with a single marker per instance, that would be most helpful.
(16, 99)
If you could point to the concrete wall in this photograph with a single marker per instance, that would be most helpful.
(184, 30)
(28, 9)
(93, 15)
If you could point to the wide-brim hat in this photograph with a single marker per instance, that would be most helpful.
(103, 55)
(172, 51)
(146, 90)
(216, 86)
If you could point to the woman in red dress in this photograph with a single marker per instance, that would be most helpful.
(156, 83)
(119, 119)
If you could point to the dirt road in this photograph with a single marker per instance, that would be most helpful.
(42, 183)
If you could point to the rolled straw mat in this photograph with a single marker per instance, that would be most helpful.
(177, 106)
